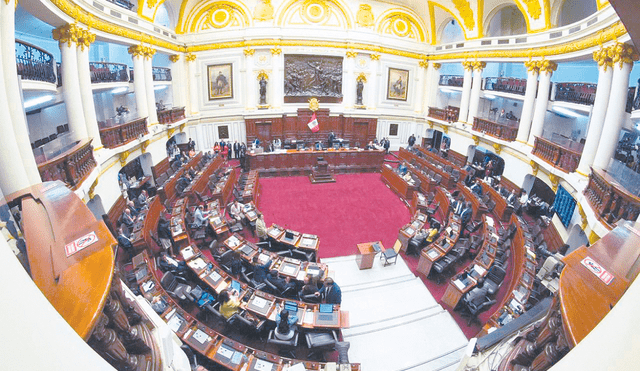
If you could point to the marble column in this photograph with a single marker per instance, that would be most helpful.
(623, 56)
(599, 111)
(476, 88)
(193, 83)
(84, 74)
(178, 78)
(421, 85)
(137, 55)
(149, 86)
(546, 70)
(252, 84)
(433, 85)
(13, 93)
(372, 89)
(529, 101)
(277, 94)
(466, 91)
(349, 80)
(67, 36)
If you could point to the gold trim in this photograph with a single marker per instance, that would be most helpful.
(314, 104)
(362, 77)
(555, 181)
(476, 139)
(67, 34)
(190, 57)
(262, 74)
(583, 217)
(436, 66)
(464, 9)
(621, 53)
(497, 147)
(263, 11)
(351, 54)
(375, 57)
(424, 63)
(92, 189)
(581, 173)
(249, 52)
(276, 51)
(170, 132)
(85, 39)
(174, 58)
(534, 167)
(364, 16)
(593, 237)
(136, 50)
(123, 157)
(479, 66)
(144, 145)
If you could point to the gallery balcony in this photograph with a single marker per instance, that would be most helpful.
(171, 116)
(561, 153)
(576, 92)
(451, 80)
(609, 199)
(116, 135)
(506, 130)
(34, 63)
(161, 74)
(102, 72)
(65, 160)
(449, 114)
(506, 85)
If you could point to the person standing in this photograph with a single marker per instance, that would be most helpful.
(387, 144)
(236, 149)
(412, 141)
(330, 291)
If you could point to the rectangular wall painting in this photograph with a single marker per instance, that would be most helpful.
(220, 81)
(397, 84)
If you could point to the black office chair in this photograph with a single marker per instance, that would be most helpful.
(494, 279)
(475, 304)
(286, 348)
(343, 352)
(176, 286)
(319, 343)
(303, 255)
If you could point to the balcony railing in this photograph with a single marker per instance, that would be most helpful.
(449, 114)
(119, 135)
(507, 131)
(630, 94)
(71, 167)
(59, 74)
(507, 85)
(34, 63)
(451, 80)
(161, 74)
(576, 92)
(610, 201)
(122, 3)
(170, 116)
(564, 156)
(108, 72)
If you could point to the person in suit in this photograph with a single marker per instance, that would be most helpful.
(191, 145)
(331, 138)
(200, 217)
(261, 272)
(465, 217)
(125, 242)
(236, 149)
(387, 144)
(458, 206)
(412, 141)
(330, 292)
(477, 188)
(128, 219)
(143, 198)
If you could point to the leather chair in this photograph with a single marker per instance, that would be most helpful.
(475, 304)
(303, 255)
(319, 343)
(494, 279)
(176, 286)
(286, 348)
(343, 352)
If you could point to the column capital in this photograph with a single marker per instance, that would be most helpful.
(424, 63)
(136, 50)
(149, 52)
(362, 77)
(85, 38)
(262, 74)
(375, 57)
(436, 66)
(621, 53)
(468, 65)
(249, 52)
(479, 66)
(276, 51)
(68, 34)
(352, 54)
(602, 57)
(174, 58)
(532, 66)
(190, 57)
(547, 66)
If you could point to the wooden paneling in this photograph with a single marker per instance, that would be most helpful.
(355, 129)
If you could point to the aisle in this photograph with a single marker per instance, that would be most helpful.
(395, 323)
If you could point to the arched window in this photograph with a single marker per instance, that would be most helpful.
(163, 18)
(506, 22)
(451, 32)
(572, 11)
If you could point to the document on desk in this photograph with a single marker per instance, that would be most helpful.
(479, 269)
(237, 358)
(459, 284)
(258, 302)
(187, 253)
(233, 241)
(215, 276)
(148, 286)
(263, 258)
(289, 270)
(297, 367)
(201, 336)
(175, 322)
(263, 365)
(308, 317)
(197, 264)
(490, 221)
(225, 352)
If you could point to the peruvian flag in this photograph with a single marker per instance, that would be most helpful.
(313, 124)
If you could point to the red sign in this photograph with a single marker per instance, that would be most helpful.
(79, 244)
(598, 270)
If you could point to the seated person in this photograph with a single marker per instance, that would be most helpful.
(192, 173)
(134, 210)
(158, 304)
(261, 272)
(143, 199)
(229, 303)
(128, 219)
(309, 288)
(402, 169)
(235, 211)
(512, 199)
(277, 280)
(285, 325)
(477, 188)
(200, 217)
(168, 263)
(330, 291)
(370, 146)
(124, 241)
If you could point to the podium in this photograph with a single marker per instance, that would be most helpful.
(320, 172)
(367, 253)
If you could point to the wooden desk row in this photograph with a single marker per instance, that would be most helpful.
(167, 191)
(206, 341)
(409, 230)
(302, 241)
(293, 162)
(224, 188)
(479, 207)
(502, 209)
(259, 303)
(251, 190)
(433, 162)
(201, 180)
(397, 183)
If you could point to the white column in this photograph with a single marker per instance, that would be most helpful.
(137, 54)
(529, 101)
(67, 36)
(372, 85)
(277, 83)
(88, 106)
(476, 87)
(421, 86)
(149, 86)
(193, 83)
(598, 113)
(349, 80)
(624, 55)
(466, 91)
(12, 176)
(13, 93)
(433, 85)
(178, 78)
(252, 84)
(546, 70)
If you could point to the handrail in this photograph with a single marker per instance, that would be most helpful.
(565, 156)
(610, 200)
(108, 72)
(502, 131)
(451, 80)
(506, 84)
(161, 74)
(576, 92)
(71, 167)
(116, 136)
(34, 63)
(171, 116)
(122, 3)
(449, 114)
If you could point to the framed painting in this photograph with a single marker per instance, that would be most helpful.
(220, 81)
(397, 84)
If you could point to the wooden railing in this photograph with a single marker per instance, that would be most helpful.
(505, 132)
(564, 156)
(116, 136)
(507, 85)
(451, 80)
(610, 200)
(449, 114)
(34, 63)
(161, 74)
(576, 92)
(108, 72)
(170, 116)
(71, 167)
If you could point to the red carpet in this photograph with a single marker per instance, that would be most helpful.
(357, 208)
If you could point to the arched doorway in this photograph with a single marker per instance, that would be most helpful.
(136, 176)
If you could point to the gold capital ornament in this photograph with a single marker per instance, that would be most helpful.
(468, 65)
(190, 57)
(351, 54)
(67, 34)
(532, 66)
(623, 53)
(249, 52)
(276, 51)
(547, 66)
(479, 66)
(136, 50)
(362, 77)
(86, 38)
(436, 66)
(375, 57)
(174, 58)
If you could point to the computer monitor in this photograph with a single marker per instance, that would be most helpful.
(236, 286)
(300, 145)
(326, 308)
(336, 145)
(292, 307)
(288, 235)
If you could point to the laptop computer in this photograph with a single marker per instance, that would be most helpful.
(288, 235)
(326, 308)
